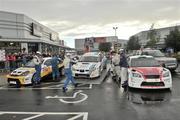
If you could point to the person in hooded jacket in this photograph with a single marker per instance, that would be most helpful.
(124, 66)
(55, 69)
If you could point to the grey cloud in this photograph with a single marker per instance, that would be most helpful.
(94, 11)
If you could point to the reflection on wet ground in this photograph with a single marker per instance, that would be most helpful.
(148, 96)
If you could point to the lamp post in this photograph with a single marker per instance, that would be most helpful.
(115, 28)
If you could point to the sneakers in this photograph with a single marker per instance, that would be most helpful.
(64, 89)
(76, 84)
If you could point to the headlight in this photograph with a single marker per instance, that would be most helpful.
(166, 74)
(25, 73)
(136, 75)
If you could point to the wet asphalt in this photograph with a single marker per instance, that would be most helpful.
(97, 100)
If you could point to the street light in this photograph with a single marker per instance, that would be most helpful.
(115, 28)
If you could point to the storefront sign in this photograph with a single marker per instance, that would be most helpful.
(37, 30)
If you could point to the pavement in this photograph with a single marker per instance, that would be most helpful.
(3, 80)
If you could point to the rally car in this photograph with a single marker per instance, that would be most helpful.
(145, 72)
(90, 65)
(25, 75)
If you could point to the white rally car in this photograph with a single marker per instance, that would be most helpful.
(145, 72)
(90, 65)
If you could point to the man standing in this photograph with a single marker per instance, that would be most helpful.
(115, 62)
(55, 69)
(124, 65)
(37, 59)
(68, 72)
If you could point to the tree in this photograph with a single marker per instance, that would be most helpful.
(106, 46)
(173, 39)
(153, 38)
(133, 43)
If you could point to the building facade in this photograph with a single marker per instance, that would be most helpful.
(161, 34)
(92, 43)
(18, 31)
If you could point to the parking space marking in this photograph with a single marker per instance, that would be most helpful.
(39, 114)
(53, 87)
(30, 118)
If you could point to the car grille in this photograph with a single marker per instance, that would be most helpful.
(81, 70)
(152, 84)
(82, 75)
(12, 79)
(152, 76)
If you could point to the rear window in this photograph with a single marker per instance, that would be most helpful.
(154, 53)
(144, 62)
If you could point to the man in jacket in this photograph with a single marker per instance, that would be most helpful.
(124, 65)
(37, 59)
(68, 72)
(115, 62)
(55, 69)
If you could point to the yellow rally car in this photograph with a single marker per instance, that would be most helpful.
(24, 75)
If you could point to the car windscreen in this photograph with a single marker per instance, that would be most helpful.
(154, 53)
(144, 62)
(89, 59)
(29, 64)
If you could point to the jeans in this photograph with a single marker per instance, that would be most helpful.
(55, 72)
(37, 76)
(69, 77)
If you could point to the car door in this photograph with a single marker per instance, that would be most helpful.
(46, 67)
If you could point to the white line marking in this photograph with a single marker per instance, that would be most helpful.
(29, 118)
(47, 88)
(90, 86)
(38, 114)
(85, 116)
(45, 113)
(51, 86)
(75, 117)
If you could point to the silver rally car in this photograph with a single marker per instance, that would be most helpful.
(90, 65)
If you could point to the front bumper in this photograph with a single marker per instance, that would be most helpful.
(150, 84)
(85, 74)
(22, 80)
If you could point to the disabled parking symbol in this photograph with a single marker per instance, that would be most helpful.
(77, 97)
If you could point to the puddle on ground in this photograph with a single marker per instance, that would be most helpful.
(149, 96)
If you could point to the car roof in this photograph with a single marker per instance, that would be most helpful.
(140, 56)
(46, 58)
(91, 54)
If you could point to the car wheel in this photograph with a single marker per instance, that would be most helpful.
(100, 71)
(18, 84)
(32, 80)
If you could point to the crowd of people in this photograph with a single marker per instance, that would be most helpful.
(16, 60)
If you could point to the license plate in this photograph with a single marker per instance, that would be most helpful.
(153, 80)
(12, 82)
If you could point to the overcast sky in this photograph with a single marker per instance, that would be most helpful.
(86, 18)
